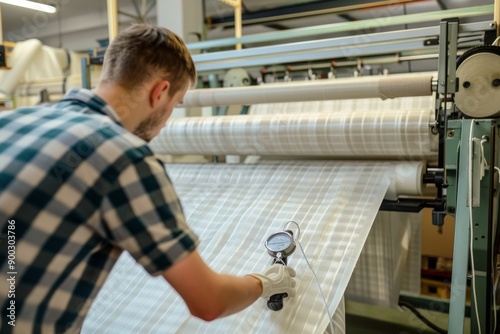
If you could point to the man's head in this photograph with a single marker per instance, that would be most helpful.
(147, 70)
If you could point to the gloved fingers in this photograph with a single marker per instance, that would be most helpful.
(275, 269)
(280, 269)
(291, 292)
(290, 271)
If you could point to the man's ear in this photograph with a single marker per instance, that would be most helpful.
(158, 89)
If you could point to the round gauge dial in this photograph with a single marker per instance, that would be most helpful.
(280, 242)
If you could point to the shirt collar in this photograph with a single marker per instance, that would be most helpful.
(92, 101)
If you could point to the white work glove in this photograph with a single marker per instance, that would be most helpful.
(277, 279)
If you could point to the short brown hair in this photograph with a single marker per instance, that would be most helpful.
(143, 51)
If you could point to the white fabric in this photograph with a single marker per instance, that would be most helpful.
(378, 274)
(364, 134)
(234, 208)
(411, 274)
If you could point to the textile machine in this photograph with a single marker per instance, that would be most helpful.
(444, 158)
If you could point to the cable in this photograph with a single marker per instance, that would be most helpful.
(314, 273)
(319, 287)
(484, 163)
(471, 226)
(422, 317)
(496, 42)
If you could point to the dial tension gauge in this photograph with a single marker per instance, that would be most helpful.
(280, 244)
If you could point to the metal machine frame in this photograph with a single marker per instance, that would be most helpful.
(469, 155)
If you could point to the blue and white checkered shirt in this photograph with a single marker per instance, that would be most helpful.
(76, 189)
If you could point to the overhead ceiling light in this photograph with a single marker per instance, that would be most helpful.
(31, 5)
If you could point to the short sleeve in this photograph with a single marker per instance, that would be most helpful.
(142, 215)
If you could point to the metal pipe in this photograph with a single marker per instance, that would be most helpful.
(435, 170)
(1, 26)
(496, 15)
(112, 6)
(331, 48)
(281, 13)
(362, 25)
(388, 59)
(237, 22)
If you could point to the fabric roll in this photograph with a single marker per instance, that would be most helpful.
(333, 106)
(399, 85)
(357, 134)
(234, 208)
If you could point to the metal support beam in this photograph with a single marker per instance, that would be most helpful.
(307, 9)
(470, 143)
(462, 236)
(112, 19)
(496, 15)
(237, 6)
(1, 26)
(362, 25)
(85, 73)
(331, 49)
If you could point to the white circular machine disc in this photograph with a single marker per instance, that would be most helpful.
(479, 85)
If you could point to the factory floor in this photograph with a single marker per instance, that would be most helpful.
(362, 318)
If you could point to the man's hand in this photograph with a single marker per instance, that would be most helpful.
(277, 279)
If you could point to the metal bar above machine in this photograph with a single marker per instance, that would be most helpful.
(362, 25)
(367, 44)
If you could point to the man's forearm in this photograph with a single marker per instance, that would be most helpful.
(239, 292)
(210, 295)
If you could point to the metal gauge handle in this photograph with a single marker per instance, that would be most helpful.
(279, 245)
(275, 302)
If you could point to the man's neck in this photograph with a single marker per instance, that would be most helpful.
(128, 106)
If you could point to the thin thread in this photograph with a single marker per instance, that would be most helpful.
(312, 270)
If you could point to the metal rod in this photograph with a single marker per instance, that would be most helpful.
(272, 15)
(435, 170)
(496, 15)
(112, 6)
(1, 26)
(237, 23)
(331, 48)
(387, 59)
(135, 17)
(362, 25)
(85, 73)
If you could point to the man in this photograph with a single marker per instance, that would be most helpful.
(79, 185)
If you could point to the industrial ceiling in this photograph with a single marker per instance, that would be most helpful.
(258, 15)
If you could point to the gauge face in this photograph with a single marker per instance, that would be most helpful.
(279, 242)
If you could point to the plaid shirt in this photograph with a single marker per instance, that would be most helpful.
(77, 189)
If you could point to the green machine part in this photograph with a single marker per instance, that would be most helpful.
(480, 235)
